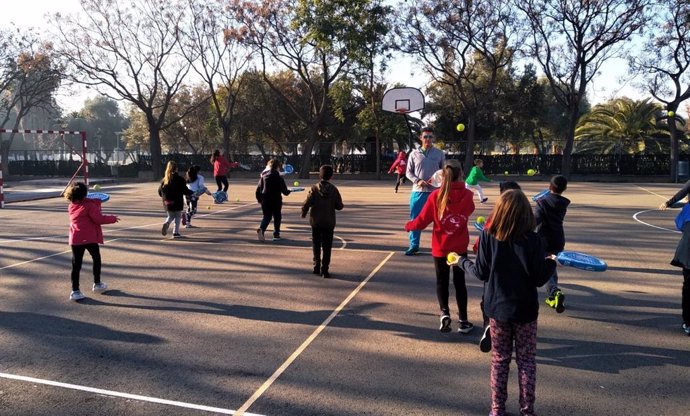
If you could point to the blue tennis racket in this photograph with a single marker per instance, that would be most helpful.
(220, 197)
(581, 261)
(540, 195)
(98, 195)
(478, 226)
(288, 169)
(296, 189)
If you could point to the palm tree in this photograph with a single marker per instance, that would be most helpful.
(622, 126)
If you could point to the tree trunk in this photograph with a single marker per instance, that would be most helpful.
(155, 148)
(305, 161)
(569, 142)
(469, 150)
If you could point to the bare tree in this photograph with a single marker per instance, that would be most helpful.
(210, 44)
(664, 63)
(128, 51)
(571, 39)
(315, 40)
(460, 42)
(28, 79)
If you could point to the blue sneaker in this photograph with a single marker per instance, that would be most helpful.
(412, 251)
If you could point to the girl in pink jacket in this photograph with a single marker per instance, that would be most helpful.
(85, 234)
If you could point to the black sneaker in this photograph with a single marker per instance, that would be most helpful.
(465, 327)
(164, 230)
(485, 342)
(445, 323)
(484, 200)
(686, 329)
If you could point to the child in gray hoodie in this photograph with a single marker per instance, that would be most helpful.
(321, 203)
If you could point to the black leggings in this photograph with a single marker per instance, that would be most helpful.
(222, 182)
(272, 209)
(443, 283)
(78, 256)
(400, 181)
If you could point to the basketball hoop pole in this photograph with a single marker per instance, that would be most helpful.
(409, 128)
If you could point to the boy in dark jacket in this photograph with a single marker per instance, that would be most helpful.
(323, 199)
(269, 193)
(549, 215)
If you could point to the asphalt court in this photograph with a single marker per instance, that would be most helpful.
(219, 323)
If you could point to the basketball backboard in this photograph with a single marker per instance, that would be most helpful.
(402, 100)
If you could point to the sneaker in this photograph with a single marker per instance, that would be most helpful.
(177, 235)
(276, 238)
(686, 328)
(412, 251)
(559, 301)
(188, 225)
(99, 287)
(164, 230)
(485, 342)
(317, 270)
(326, 274)
(445, 323)
(260, 234)
(465, 327)
(76, 295)
(184, 219)
(484, 200)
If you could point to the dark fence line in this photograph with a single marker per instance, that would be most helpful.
(635, 165)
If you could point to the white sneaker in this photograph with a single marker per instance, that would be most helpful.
(260, 234)
(76, 295)
(99, 287)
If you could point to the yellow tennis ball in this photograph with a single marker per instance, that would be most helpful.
(505, 173)
(460, 127)
(296, 183)
(238, 200)
(481, 220)
(97, 187)
(671, 114)
(208, 207)
(452, 257)
(531, 172)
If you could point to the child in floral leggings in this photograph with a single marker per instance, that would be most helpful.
(511, 262)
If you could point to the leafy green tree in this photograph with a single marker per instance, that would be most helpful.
(622, 126)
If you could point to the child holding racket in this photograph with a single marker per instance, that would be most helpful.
(449, 208)
(195, 183)
(221, 166)
(511, 262)
(681, 257)
(269, 193)
(485, 341)
(549, 215)
(476, 174)
(322, 201)
(172, 189)
(400, 167)
(85, 234)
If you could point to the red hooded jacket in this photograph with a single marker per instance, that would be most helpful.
(450, 232)
(400, 164)
(85, 219)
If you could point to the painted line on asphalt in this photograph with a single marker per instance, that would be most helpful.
(241, 411)
(635, 217)
(123, 395)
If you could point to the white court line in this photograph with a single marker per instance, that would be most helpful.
(653, 193)
(241, 411)
(123, 395)
(651, 225)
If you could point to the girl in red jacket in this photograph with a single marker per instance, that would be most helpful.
(221, 166)
(400, 167)
(85, 234)
(449, 208)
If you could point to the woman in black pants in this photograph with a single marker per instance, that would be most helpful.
(269, 193)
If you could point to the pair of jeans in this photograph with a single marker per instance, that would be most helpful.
(503, 334)
(272, 209)
(443, 283)
(322, 243)
(78, 257)
(174, 216)
(417, 201)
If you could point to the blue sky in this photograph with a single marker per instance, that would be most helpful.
(610, 84)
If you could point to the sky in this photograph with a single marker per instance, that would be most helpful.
(31, 13)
